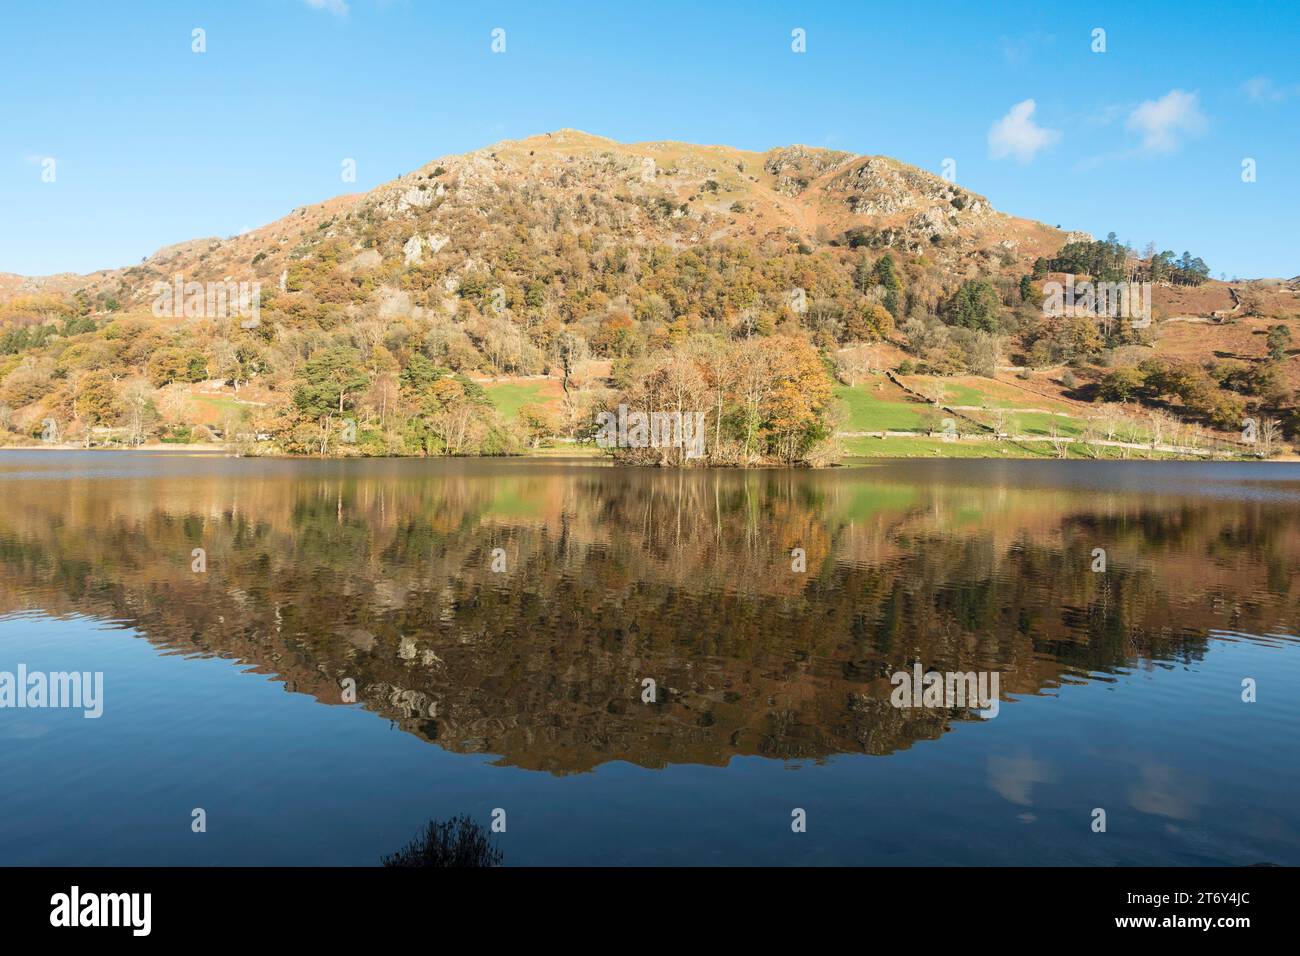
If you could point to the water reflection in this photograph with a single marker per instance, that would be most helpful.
(381, 573)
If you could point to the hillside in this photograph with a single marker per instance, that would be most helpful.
(644, 194)
(603, 272)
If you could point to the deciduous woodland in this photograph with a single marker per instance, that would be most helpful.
(807, 301)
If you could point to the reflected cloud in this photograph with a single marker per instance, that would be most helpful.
(1165, 792)
(1014, 778)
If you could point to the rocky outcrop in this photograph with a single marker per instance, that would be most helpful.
(795, 167)
(415, 248)
(882, 187)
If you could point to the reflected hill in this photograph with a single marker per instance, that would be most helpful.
(382, 573)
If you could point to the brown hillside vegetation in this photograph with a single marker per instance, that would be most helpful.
(411, 319)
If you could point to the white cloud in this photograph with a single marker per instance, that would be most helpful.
(337, 7)
(1261, 90)
(1162, 122)
(1017, 135)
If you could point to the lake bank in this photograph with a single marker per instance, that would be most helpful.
(856, 448)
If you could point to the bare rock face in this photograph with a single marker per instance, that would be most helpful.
(875, 188)
(414, 198)
(795, 167)
(881, 187)
(407, 195)
(415, 248)
(934, 223)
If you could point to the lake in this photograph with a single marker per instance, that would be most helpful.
(500, 621)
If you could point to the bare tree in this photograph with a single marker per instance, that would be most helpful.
(1060, 443)
(1270, 432)
(1158, 424)
(854, 365)
(999, 416)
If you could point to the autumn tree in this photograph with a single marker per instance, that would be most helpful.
(539, 422)
(870, 323)
(176, 364)
(96, 401)
(795, 414)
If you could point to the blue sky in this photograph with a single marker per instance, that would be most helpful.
(153, 143)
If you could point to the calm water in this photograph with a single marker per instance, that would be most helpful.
(522, 690)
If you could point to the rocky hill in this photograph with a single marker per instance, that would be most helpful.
(540, 256)
(454, 208)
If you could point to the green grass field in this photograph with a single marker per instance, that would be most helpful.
(1017, 419)
(924, 447)
(870, 413)
(220, 408)
(509, 397)
(960, 394)
(1040, 423)
(1033, 423)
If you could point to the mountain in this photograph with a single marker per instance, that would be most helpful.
(574, 260)
(677, 194)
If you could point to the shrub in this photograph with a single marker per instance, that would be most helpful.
(458, 842)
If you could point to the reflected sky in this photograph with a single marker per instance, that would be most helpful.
(522, 689)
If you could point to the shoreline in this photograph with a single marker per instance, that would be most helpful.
(217, 451)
